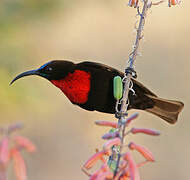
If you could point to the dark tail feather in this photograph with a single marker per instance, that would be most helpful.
(166, 109)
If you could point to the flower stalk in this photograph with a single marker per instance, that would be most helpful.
(127, 79)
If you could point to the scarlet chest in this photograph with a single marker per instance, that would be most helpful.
(75, 86)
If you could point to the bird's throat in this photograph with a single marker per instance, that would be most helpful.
(75, 86)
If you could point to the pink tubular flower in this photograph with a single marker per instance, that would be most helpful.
(106, 123)
(104, 168)
(133, 3)
(25, 143)
(113, 142)
(145, 131)
(133, 169)
(19, 164)
(4, 151)
(173, 2)
(93, 159)
(145, 152)
(114, 124)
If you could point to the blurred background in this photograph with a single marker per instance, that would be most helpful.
(33, 32)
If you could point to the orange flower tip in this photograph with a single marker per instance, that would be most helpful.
(110, 135)
(106, 123)
(131, 145)
(173, 2)
(105, 175)
(107, 152)
(123, 177)
(133, 3)
(151, 132)
(131, 118)
(110, 143)
(142, 150)
(93, 159)
(4, 151)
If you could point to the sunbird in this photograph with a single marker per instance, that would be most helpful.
(90, 86)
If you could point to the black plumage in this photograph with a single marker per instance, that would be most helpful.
(100, 96)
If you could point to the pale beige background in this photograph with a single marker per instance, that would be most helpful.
(102, 31)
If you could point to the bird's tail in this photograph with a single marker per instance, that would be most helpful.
(168, 110)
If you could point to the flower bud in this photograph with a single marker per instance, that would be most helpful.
(173, 2)
(133, 3)
(142, 150)
(145, 131)
(106, 123)
(93, 159)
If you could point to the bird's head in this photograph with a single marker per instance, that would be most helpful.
(53, 70)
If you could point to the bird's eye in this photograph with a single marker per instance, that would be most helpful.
(48, 69)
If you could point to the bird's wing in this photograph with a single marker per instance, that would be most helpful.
(143, 88)
(99, 66)
(104, 67)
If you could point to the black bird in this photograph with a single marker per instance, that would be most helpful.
(90, 86)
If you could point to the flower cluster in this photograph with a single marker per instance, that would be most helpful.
(127, 168)
(134, 3)
(11, 146)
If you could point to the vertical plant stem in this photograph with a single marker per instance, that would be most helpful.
(128, 76)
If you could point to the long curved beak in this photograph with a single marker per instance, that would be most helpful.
(27, 73)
